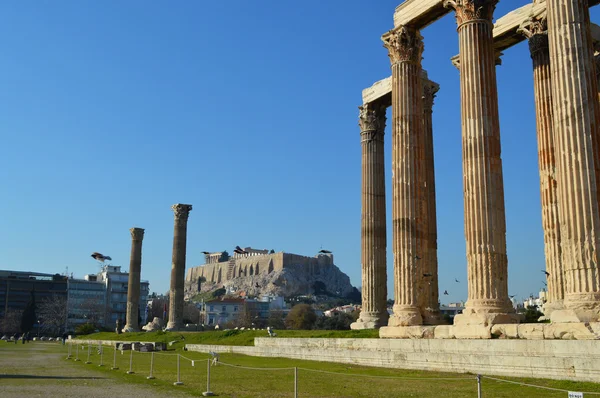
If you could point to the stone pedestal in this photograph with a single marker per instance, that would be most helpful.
(133, 287)
(536, 30)
(373, 234)
(182, 213)
(577, 156)
(485, 223)
(405, 48)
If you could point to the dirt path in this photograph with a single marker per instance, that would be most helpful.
(40, 370)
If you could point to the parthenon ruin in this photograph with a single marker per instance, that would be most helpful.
(561, 41)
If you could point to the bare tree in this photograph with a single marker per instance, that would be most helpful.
(191, 314)
(93, 311)
(53, 313)
(11, 322)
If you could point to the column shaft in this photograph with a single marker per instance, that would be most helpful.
(429, 294)
(373, 221)
(405, 47)
(536, 30)
(485, 224)
(178, 266)
(576, 139)
(133, 287)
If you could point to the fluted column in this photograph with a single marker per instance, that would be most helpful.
(182, 213)
(485, 224)
(405, 48)
(428, 273)
(536, 30)
(373, 224)
(133, 286)
(576, 139)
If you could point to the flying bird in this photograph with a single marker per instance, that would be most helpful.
(205, 252)
(445, 292)
(546, 272)
(511, 296)
(256, 284)
(417, 258)
(239, 250)
(456, 280)
(426, 275)
(545, 284)
(324, 251)
(100, 257)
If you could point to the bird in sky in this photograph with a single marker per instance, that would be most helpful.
(445, 292)
(456, 280)
(426, 275)
(546, 272)
(417, 258)
(324, 251)
(239, 250)
(100, 257)
(545, 284)
(511, 296)
(205, 252)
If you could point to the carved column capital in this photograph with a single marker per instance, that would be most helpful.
(371, 120)
(472, 10)
(430, 90)
(536, 30)
(182, 211)
(404, 44)
(137, 233)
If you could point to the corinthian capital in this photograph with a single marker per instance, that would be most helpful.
(472, 10)
(536, 30)
(430, 89)
(371, 120)
(404, 44)
(182, 212)
(137, 233)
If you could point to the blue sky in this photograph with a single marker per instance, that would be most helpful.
(113, 111)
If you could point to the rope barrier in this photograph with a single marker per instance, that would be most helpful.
(536, 386)
(387, 377)
(249, 368)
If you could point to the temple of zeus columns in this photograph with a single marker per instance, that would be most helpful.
(133, 287)
(562, 42)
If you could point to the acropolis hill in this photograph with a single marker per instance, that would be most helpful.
(260, 271)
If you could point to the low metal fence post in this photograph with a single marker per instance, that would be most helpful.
(208, 393)
(114, 367)
(178, 382)
(69, 347)
(77, 353)
(478, 386)
(295, 382)
(101, 355)
(88, 357)
(130, 371)
(151, 366)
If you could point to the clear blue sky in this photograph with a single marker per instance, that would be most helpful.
(113, 111)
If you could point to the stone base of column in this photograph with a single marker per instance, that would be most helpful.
(174, 326)
(405, 316)
(574, 316)
(474, 317)
(549, 308)
(129, 329)
(370, 321)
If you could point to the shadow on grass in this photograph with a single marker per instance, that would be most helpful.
(4, 376)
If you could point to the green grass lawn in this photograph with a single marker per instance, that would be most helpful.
(230, 337)
(274, 377)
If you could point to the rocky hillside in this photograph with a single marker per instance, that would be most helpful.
(288, 282)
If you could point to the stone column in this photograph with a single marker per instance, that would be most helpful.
(133, 287)
(485, 224)
(405, 46)
(373, 224)
(536, 30)
(182, 213)
(576, 133)
(428, 273)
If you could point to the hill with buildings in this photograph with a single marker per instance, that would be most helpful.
(251, 272)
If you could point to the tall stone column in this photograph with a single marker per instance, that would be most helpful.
(536, 30)
(133, 287)
(373, 229)
(182, 213)
(485, 224)
(576, 139)
(428, 273)
(405, 46)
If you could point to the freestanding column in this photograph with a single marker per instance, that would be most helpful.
(485, 224)
(133, 288)
(429, 293)
(405, 46)
(182, 213)
(576, 133)
(373, 230)
(536, 30)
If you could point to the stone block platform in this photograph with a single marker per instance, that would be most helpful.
(577, 360)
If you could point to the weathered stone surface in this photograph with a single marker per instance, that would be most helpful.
(182, 213)
(505, 331)
(531, 331)
(444, 332)
(156, 324)
(472, 331)
(407, 332)
(571, 331)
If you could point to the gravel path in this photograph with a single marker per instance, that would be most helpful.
(40, 370)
